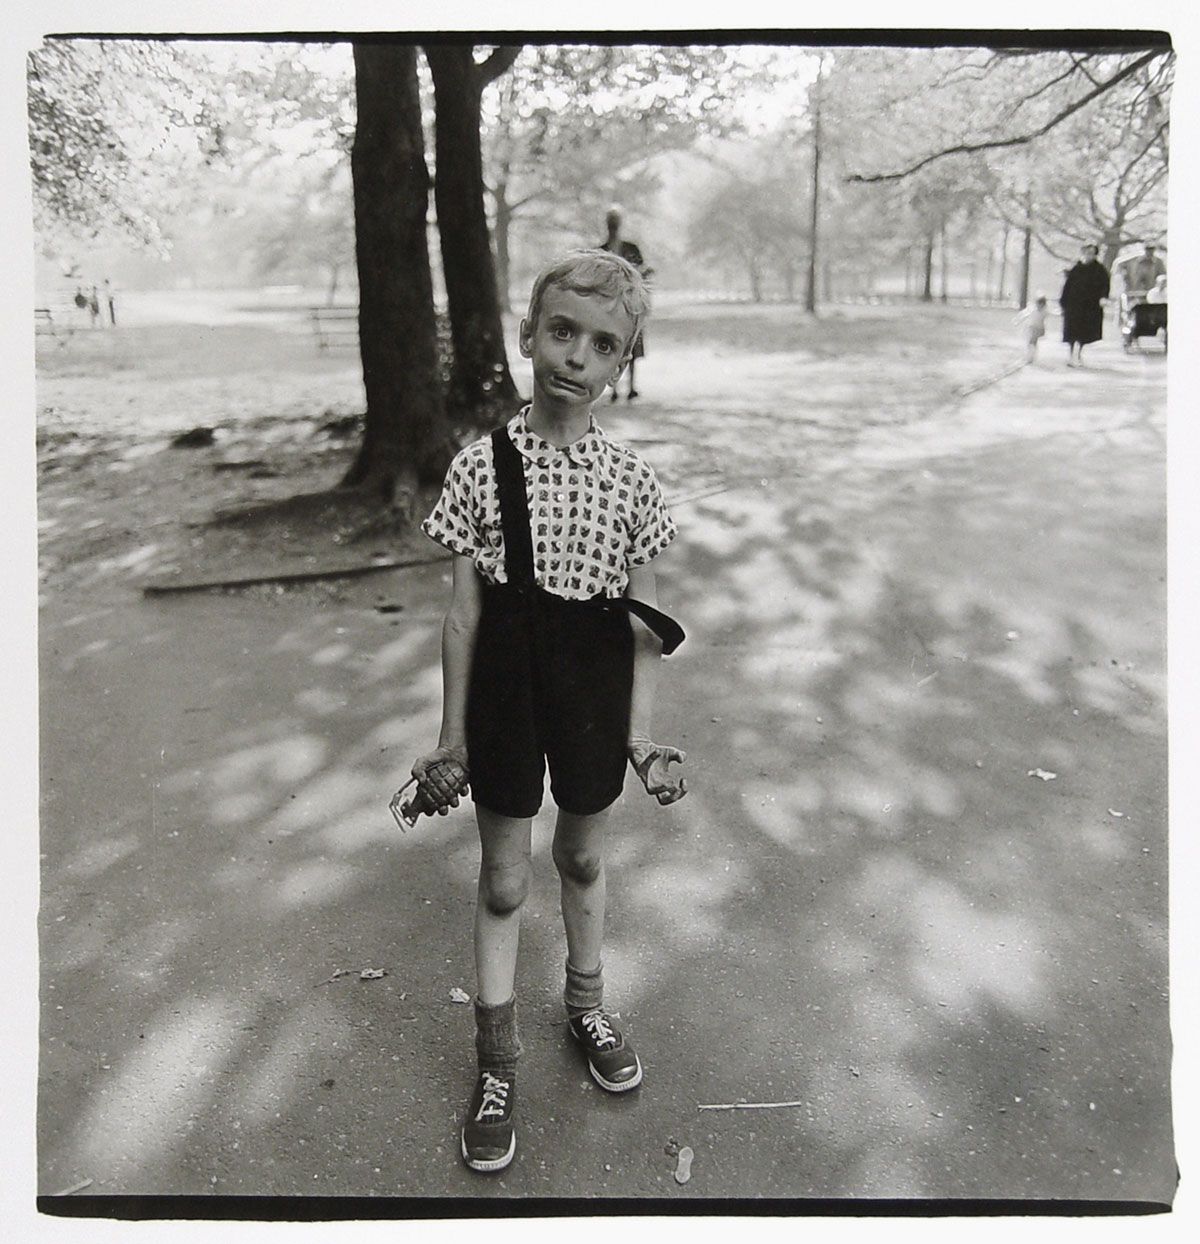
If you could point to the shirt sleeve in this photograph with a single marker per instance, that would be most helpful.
(454, 521)
(653, 527)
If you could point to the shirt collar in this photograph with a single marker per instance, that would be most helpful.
(582, 452)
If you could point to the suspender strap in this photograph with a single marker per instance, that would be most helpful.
(662, 624)
(514, 510)
(518, 543)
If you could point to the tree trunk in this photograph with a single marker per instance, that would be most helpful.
(482, 392)
(502, 228)
(927, 265)
(1026, 250)
(405, 438)
(755, 281)
(944, 256)
(1000, 284)
(331, 292)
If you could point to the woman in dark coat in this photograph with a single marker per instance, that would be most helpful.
(1083, 316)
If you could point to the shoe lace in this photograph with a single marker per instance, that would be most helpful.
(495, 1096)
(596, 1022)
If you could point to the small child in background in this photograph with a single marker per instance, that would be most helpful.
(1032, 322)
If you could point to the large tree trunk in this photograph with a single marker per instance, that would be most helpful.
(406, 438)
(482, 391)
(927, 264)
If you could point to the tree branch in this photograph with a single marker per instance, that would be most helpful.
(1017, 140)
(500, 60)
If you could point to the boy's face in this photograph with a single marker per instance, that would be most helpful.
(579, 346)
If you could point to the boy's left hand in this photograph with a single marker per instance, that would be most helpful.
(650, 761)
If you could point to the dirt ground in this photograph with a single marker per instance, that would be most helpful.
(917, 891)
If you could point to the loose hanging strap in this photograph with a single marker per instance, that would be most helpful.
(518, 543)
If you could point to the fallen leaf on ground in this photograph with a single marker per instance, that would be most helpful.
(459, 995)
(372, 974)
(1043, 774)
(683, 1169)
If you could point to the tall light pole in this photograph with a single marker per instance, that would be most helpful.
(810, 285)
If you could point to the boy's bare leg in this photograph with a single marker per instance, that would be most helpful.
(504, 875)
(579, 857)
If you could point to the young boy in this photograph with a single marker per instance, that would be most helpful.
(554, 528)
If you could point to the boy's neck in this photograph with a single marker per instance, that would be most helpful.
(558, 426)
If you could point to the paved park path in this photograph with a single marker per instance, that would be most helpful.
(867, 907)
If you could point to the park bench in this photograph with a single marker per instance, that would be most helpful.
(44, 325)
(335, 327)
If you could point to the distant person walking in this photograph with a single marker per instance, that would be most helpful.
(94, 306)
(1032, 322)
(632, 254)
(1083, 292)
(110, 296)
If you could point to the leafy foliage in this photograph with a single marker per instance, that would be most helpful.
(113, 125)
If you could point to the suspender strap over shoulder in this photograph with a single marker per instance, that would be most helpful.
(518, 544)
(514, 510)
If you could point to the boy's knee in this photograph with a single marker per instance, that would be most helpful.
(577, 864)
(505, 887)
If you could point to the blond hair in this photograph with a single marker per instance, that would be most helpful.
(594, 272)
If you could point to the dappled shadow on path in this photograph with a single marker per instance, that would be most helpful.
(866, 905)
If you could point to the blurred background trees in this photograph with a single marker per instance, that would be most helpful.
(944, 173)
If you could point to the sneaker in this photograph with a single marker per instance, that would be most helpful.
(611, 1060)
(488, 1139)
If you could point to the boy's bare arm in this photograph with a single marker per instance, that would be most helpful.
(650, 760)
(439, 781)
(458, 646)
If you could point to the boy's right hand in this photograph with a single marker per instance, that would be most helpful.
(650, 761)
(442, 776)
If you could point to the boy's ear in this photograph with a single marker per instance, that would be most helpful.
(525, 340)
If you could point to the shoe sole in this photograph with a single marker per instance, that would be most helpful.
(489, 1164)
(617, 1086)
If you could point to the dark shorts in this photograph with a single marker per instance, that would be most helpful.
(553, 694)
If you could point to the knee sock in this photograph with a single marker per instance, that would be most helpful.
(497, 1043)
(584, 991)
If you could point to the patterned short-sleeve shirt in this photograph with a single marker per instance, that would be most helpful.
(595, 510)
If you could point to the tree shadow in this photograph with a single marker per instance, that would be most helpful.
(867, 905)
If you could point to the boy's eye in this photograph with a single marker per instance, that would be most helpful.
(605, 347)
(562, 333)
